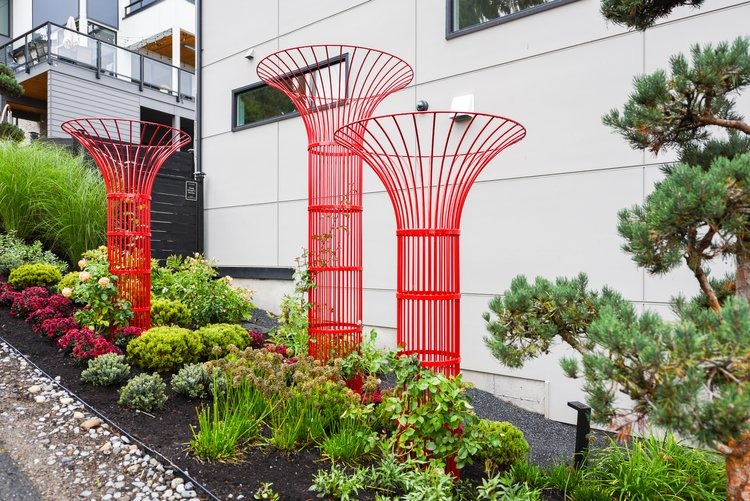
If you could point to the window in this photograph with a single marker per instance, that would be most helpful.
(258, 104)
(56, 11)
(104, 34)
(5, 17)
(103, 11)
(467, 16)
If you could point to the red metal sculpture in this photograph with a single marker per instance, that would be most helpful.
(129, 153)
(428, 162)
(333, 85)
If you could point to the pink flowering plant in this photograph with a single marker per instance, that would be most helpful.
(97, 292)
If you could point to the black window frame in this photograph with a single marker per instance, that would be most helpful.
(343, 59)
(450, 33)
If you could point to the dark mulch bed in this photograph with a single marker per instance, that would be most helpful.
(168, 432)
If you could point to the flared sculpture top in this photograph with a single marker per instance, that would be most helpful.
(429, 160)
(128, 152)
(332, 85)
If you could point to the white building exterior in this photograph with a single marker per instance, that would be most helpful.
(545, 207)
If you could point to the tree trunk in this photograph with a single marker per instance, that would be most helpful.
(738, 469)
(742, 277)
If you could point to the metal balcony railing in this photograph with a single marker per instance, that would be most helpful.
(51, 43)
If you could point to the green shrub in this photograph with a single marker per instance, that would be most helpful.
(34, 275)
(222, 335)
(165, 348)
(500, 444)
(169, 312)
(10, 131)
(96, 289)
(145, 392)
(68, 281)
(106, 370)
(191, 380)
(192, 281)
(14, 252)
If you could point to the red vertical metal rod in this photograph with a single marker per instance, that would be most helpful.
(129, 153)
(333, 85)
(428, 162)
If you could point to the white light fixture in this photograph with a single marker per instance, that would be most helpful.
(463, 104)
(250, 54)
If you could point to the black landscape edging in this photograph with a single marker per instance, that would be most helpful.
(151, 451)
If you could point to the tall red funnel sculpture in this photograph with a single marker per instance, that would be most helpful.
(129, 153)
(428, 162)
(331, 86)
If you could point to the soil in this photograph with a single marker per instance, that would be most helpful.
(168, 432)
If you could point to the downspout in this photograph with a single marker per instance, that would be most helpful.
(198, 173)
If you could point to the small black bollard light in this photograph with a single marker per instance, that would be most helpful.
(583, 427)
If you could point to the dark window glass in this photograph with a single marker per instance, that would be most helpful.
(260, 103)
(5, 17)
(471, 13)
(56, 11)
(103, 11)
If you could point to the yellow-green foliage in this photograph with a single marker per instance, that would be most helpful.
(169, 312)
(69, 281)
(144, 392)
(34, 275)
(222, 335)
(166, 348)
(500, 443)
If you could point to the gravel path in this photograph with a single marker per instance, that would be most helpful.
(60, 450)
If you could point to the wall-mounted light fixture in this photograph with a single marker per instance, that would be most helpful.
(462, 105)
(250, 54)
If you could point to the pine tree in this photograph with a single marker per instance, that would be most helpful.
(691, 376)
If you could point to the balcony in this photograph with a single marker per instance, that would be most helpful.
(52, 44)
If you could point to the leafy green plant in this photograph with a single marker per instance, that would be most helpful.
(169, 312)
(499, 443)
(528, 473)
(565, 478)
(145, 392)
(265, 491)
(292, 329)
(191, 380)
(223, 335)
(501, 487)
(192, 281)
(68, 281)
(9, 86)
(431, 411)
(165, 348)
(106, 370)
(96, 291)
(14, 252)
(233, 418)
(336, 483)
(34, 275)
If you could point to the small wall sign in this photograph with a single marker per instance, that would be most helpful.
(191, 191)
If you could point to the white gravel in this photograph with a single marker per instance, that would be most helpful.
(66, 452)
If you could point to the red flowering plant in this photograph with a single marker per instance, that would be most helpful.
(57, 327)
(84, 344)
(28, 300)
(62, 305)
(37, 317)
(256, 340)
(121, 337)
(8, 296)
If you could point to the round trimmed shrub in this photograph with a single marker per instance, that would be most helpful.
(34, 275)
(68, 281)
(145, 392)
(169, 312)
(166, 348)
(192, 381)
(106, 370)
(222, 335)
(500, 443)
